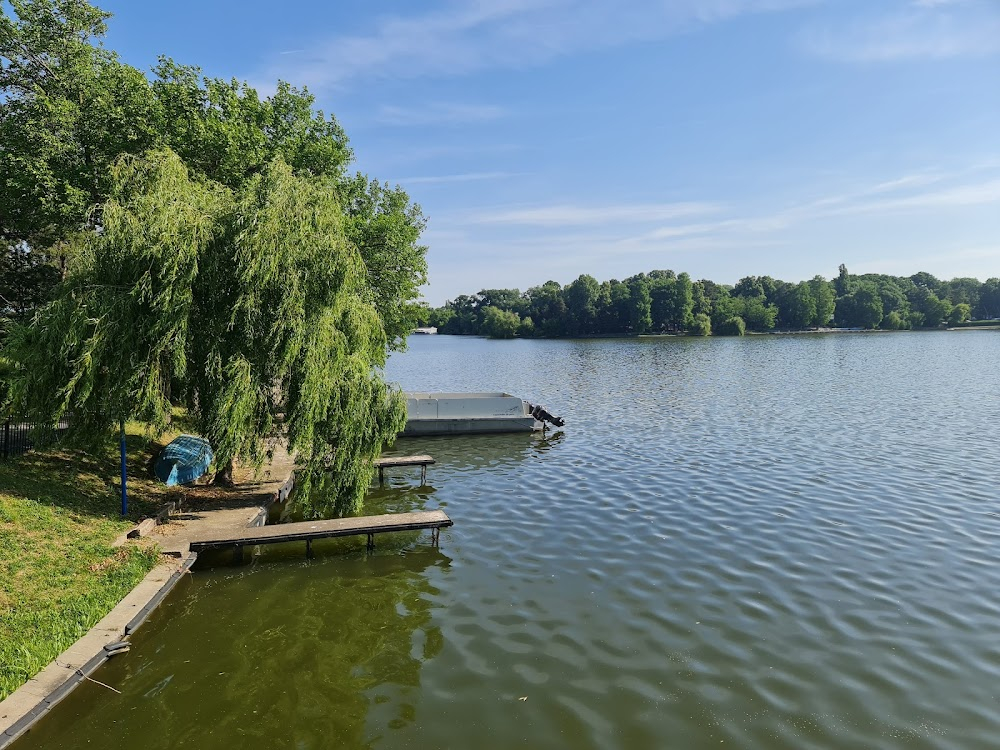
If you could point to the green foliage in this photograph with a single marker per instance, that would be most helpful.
(757, 315)
(702, 325)
(292, 330)
(214, 250)
(895, 322)
(842, 284)
(701, 304)
(801, 306)
(500, 324)
(671, 301)
(960, 313)
(386, 228)
(934, 309)
(69, 110)
(186, 284)
(989, 300)
(823, 295)
(862, 308)
(663, 300)
(225, 131)
(26, 281)
(734, 326)
(581, 304)
(108, 345)
(526, 328)
(6, 374)
(441, 318)
(547, 308)
(749, 286)
(505, 299)
(640, 311)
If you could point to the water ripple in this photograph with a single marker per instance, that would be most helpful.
(776, 542)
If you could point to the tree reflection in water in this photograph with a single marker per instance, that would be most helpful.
(310, 655)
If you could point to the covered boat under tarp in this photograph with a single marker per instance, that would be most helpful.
(185, 459)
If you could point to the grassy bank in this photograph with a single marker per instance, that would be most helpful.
(59, 574)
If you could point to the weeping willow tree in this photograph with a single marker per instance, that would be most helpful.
(108, 345)
(283, 324)
(248, 305)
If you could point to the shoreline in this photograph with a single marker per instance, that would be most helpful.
(246, 505)
(681, 335)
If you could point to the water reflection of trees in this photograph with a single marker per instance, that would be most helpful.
(353, 642)
(506, 451)
(323, 655)
(402, 492)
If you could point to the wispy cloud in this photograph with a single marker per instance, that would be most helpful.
(942, 264)
(727, 240)
(572, 215)
(904, 195)
(464, 177)
(925, 29)
(627, 226)
(440, 113)
(457, 38)
(476, 150)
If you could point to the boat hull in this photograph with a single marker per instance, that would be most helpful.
(416, 427)
(467, 414)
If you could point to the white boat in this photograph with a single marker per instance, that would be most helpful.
(469, 413)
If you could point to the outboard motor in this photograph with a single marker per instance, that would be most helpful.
(541, 415)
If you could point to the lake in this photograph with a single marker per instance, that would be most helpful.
(768, 542)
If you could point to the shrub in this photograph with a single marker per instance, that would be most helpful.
(702, 325)
(733, 326)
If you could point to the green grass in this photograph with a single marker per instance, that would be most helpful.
(59, 574)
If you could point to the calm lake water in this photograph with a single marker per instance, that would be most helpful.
(770, 542)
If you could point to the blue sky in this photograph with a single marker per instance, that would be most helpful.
(549, 138)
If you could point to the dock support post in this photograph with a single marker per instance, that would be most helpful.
(309, 549)
(371, 542)
(423, 474)
(381, 474)
(238, 554)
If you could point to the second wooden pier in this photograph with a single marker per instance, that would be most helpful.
(307, 531)
(390, 461)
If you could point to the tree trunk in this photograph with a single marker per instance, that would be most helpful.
(225, 475)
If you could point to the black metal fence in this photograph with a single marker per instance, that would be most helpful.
(19, 435)
(16, 437)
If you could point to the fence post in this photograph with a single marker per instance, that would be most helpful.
(6, 438)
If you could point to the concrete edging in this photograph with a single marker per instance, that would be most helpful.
(21, 709)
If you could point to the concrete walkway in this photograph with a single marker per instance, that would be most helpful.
(207, 510)
(215, 510)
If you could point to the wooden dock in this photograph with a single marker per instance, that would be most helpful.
(393, 461)
(307, 531)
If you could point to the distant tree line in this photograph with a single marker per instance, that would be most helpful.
(667, 302)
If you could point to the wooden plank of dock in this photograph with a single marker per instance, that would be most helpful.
(389, 462)
(309, 530)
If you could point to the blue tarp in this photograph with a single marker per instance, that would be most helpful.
(185, 459)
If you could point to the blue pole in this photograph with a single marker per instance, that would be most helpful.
(121, 425)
